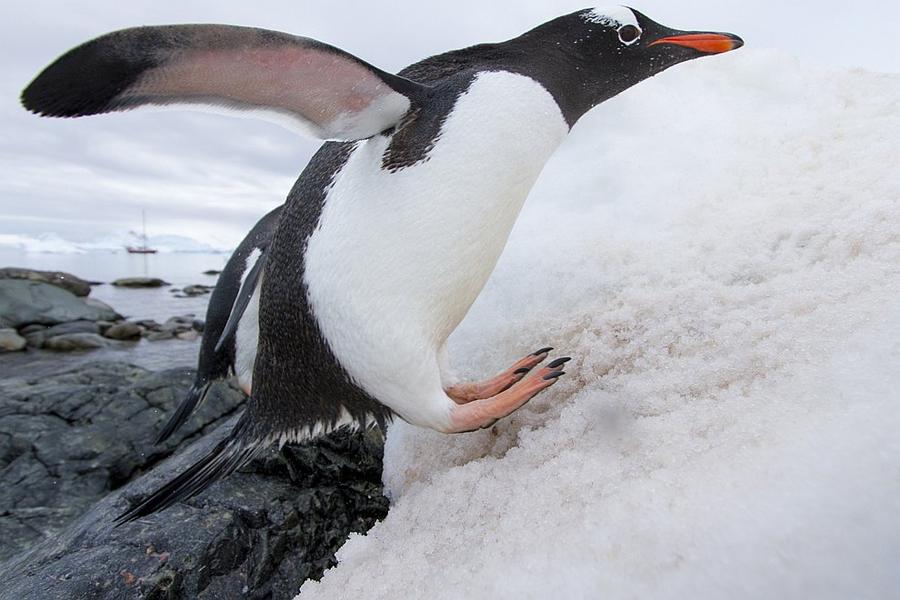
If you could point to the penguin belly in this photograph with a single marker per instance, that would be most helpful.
(398, 257)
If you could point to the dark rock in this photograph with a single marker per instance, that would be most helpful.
(212, 272)
(258, 534)
(178, 324)
(68, 439)
(197, 289)
(24, 302)
(10, 341)
(198, 325)
(75, 341)
(35, 339)
(38, 338)
(103, 306)
(155, 336)
(139, 282)
(148, 324)
(67, 281)
(31, 329)
(72, 327)
(124, 331)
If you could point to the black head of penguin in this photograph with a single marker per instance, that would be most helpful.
(591, 55)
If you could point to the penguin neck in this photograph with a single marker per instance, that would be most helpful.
(548, 55)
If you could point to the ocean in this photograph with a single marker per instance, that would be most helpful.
(177, 268)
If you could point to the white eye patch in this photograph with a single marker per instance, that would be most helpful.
(611, 16)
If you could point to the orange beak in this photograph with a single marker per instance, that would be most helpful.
(708, 43)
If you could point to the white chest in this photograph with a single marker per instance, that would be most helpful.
(398, 258)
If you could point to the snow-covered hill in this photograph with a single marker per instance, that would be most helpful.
(719, 249)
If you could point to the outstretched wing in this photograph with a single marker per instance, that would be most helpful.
(329, 93)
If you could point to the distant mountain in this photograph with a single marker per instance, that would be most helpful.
(54, 244)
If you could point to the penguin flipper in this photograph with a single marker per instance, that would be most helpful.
(196, 395)
(242, 300)
(329, 93)
(224, 459)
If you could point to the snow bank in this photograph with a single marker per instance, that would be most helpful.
(719, 249)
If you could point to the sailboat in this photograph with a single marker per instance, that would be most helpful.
(143, 248)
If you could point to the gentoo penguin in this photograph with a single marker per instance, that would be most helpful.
(229, 338)
(394, 226)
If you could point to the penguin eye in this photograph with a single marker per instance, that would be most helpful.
(629, 34)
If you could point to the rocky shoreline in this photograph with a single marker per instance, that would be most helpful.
(76, 449)
(53, 310)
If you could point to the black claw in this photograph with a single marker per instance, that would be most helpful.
(553, 375)
(521, 371)
(542, 351)
(559, 361)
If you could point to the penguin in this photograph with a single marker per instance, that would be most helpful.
(395, 224)
(229, 338)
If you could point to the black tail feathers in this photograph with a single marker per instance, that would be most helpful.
(196, 395)
(226, 457)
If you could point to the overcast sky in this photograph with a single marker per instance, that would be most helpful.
(211, 177)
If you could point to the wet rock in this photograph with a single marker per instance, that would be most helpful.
(31, 329)
(188, 336)
(156, 336)
(197, 289)
(67, 281)
(148, 324)
(124, 331)
(38, 338)
(24, 302)
(72, 327)
(75, 341)
(11, 341)
(68, 439)
(103, 306)
(212, 272)
(258, 534)
(181, 322)
(139, 282)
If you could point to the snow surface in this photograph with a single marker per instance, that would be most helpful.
(719, 249)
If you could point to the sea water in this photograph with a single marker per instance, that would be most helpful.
(177, 268)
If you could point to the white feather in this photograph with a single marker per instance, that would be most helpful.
(398, 258)
(613, 16)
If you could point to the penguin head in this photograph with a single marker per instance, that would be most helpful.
(602, 51)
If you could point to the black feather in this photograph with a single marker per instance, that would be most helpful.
(228, 456)
(87, 80)
(196, 395)
(241, 302)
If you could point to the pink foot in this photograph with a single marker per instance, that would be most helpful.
(469, 392)
(484, 412)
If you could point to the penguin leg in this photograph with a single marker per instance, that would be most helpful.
(468, 392)
(479, 414)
